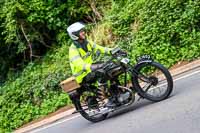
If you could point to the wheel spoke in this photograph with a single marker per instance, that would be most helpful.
(90, 106)
(148, 87)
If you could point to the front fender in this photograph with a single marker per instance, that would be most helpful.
(144, 59)
(135, 73)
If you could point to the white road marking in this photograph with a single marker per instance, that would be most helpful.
(78, 115)
(51, 125)
(188, 75)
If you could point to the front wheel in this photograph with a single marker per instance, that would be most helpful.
(153, 82)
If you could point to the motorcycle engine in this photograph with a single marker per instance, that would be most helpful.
(113, 70)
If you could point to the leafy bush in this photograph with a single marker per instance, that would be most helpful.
(30, 27)
(36, 92)
(168, 30)
(122, 15)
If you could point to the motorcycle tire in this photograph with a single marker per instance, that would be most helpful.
(162, 74)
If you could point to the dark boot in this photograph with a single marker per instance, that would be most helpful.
(111, 103)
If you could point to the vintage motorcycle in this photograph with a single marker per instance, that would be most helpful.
(149, 80)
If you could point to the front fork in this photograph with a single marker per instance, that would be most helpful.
(134, 73)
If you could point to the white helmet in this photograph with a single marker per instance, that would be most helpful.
(74, 29)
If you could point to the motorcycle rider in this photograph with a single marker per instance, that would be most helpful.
(81, 53)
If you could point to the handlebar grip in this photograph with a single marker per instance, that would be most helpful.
(115, 50)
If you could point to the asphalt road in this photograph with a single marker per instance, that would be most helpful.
(178, 114)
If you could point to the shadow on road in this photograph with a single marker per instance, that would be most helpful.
(137, 105)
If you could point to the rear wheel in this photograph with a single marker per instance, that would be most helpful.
(158, 83)
(89, 107)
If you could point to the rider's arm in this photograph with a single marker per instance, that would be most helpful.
(76, 62)
(102, 49)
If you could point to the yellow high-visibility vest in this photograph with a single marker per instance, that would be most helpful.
(80, 60)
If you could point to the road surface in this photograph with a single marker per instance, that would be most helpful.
(178, 114)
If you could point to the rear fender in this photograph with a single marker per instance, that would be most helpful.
(73, 95)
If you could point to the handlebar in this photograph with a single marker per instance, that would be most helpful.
(116, 53)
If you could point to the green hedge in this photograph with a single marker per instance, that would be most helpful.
(36, 92)
(35, 24)
(168, 30)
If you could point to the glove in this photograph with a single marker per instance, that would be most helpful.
(123, 53)
(94, 67)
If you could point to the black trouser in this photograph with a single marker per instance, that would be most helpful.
(93, 77)
(90, 78)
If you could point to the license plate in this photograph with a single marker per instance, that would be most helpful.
(125, 60)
